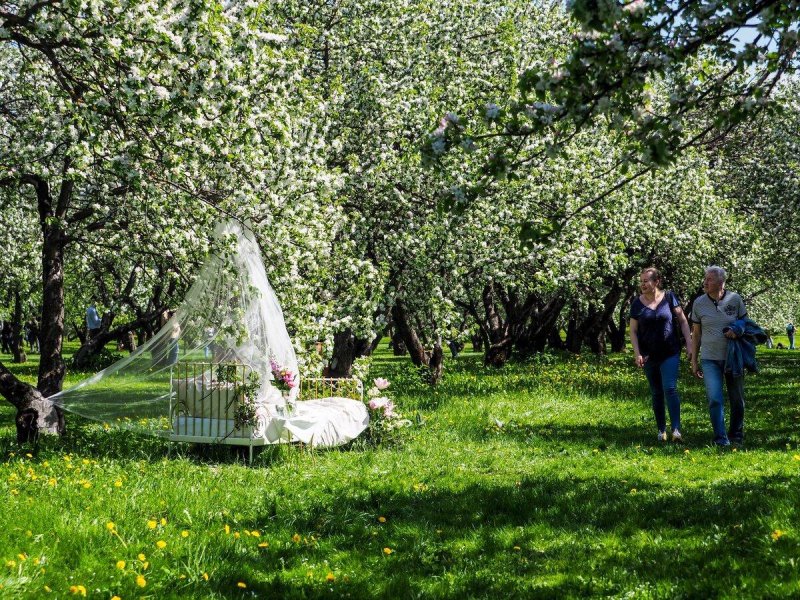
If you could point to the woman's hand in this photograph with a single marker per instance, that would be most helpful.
(696, 370)
(640, 360)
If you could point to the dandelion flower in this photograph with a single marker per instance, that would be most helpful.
(241, 585)
(29, 455)
(777, 534)
(118, 483)
(86, 485)
(141, 556)
(163, 521)
(330, 577)
(141, 581)
(110, 526)
(205, 576)
(161, 544)
(121, 565)
(381, 519)
(184, 533)
(227, 529)
(115, 598)
(296, 538)
(387, 551)
(237, 535)
(152, 524)
(78, 590)
(22, 557)
(255, 533)
(263, 545)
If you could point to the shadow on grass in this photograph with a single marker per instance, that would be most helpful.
(549, 537)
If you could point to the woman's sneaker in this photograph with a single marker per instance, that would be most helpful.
(676, 436)
(662, 436)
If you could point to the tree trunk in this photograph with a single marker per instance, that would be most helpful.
(398, 345)
(122, 333)
(477, 341)
(35, 414)
(341, 364)
(436, 363)
(51, 365)
(419, 357)
(17, 343)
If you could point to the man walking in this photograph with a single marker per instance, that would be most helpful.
(711, 314)
(93, 321)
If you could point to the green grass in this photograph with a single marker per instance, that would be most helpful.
(542, 479)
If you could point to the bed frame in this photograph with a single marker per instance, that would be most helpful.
(202, 406)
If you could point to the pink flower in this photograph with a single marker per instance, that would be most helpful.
(378, 403)
(381, 383)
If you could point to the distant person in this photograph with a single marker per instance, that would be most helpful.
(93, 321)
(790, 334)
(770, 343)
(712, 315)
(6, 335)
(656, 318)
(32, 335)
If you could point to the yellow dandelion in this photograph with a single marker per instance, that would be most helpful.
(22, 557)
(118, 483)
(145, 565)
(11, 564)
(141, 556)
(227, 529)
(236, 535)
(121, 565)
(296, 538)
(205, 576)
(381, 519)
(777, 534)
(241, 585)
(110, 526)
(85, 461)
(86, 485)
(152, 524)
(247, 532)
(182, 576)
(184, 533)
(263, 545)
(161, 544)
(29, 455)
(51, 482)
(387, 551)
(255, 533)
(796, 457)
(163, 521)
(78, 590)
(141, 581)
(115, 598)
(330, 577)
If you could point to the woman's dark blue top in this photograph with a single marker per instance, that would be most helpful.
(657, 330)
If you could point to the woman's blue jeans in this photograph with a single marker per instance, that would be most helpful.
(713, 374)
(663, 379)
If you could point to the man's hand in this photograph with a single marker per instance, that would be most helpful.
(696, 370)
(640, 360)
(730, 335)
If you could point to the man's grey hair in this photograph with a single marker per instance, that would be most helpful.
(719, 272)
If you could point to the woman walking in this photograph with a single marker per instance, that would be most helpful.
(656, 316)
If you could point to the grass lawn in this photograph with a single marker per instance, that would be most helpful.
(543, 479)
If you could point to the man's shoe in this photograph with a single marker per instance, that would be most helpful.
(676, 436)
(662, 436)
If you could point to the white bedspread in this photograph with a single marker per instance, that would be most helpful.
(322, 422)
